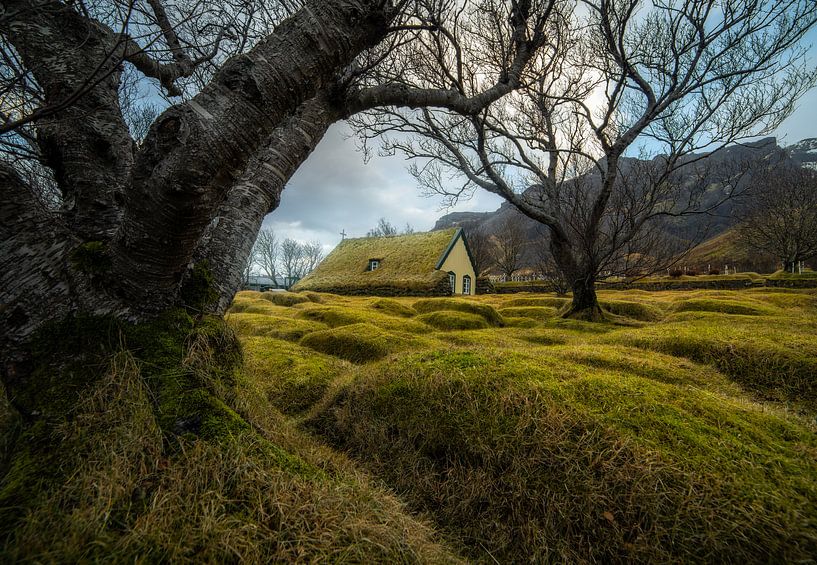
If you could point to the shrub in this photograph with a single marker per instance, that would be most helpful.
(676, 273)
(714, 272)
(448, 320)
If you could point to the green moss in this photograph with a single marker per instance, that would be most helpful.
(450, 320)
(487, 312)
(358, 343)
(198, 290)
(722, 306)
(537, 301)
(520, 322)
(91, 258)
(285, 298)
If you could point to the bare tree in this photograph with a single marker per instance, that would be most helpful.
(481, 247)
(313, 254)
(781, 215)
(660, 80)
(384, 228)
(251, 90)
(292, 260)
(267, 249)
(251, 263)
(546, 267)
(509, 244)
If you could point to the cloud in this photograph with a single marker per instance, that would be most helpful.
(334, 191)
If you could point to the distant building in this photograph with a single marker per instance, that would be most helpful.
(436, 263)
(258, 282)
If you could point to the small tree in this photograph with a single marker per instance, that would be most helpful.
(780, 217)
(509, 245)
(292, 256)
(267, 249)
(384, 228)
(481, 247)
(312, 254)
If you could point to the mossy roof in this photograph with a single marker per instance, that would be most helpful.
(406, 261)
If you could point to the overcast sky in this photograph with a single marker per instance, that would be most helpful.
(335, 190)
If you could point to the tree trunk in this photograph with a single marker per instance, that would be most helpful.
(585, 305)
(580, 277)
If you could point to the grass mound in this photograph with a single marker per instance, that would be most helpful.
(534, 312)
(285, 298)
(535, 458)
(292, 377)
(486, 311)
(449, 320)
(722, 306)
(634, 310)
(272, 326)
(249, 305)
(358, 343)
(519, 322)
(772, 362)
(393, 307)
(546, 301)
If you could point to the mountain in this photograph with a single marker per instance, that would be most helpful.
(703, 171)
(804, 152)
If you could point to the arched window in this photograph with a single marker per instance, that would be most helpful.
(452, 280)
(466, 284)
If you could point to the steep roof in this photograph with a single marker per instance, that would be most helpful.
(406, 261)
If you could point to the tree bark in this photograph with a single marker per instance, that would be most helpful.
(580, 277)
(230, 237)
(196, 151)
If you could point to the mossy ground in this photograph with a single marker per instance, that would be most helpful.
(154, 444)
(684, 429)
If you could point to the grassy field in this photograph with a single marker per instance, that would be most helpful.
(682, 430)
(380, 430)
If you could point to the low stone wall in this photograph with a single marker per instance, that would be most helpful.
(792, 283)
(710, 284)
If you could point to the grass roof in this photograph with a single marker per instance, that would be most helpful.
(406, 262)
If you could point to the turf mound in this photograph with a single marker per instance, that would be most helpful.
(358, 343)
(393, 307)
(449, 320)
(772, 362)
(723, 307)
(634, 310)
(548, 301)
(487, 312)
(285, 298)
(534, 312)
(292, 377)
(272, 326)
(527, 458)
